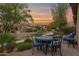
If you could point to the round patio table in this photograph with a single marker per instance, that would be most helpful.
(44, 39)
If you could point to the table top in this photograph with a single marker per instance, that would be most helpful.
(44, 38)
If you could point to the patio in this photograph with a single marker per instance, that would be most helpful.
(25, 46)
(65, 52)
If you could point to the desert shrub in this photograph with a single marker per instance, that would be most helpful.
(28, 41)
(6, 38)
(67, 30)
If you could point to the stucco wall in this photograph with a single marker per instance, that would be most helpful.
(77, 26)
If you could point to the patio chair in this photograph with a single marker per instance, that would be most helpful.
(70, 35)
(70, 39)
(36, 44)
(56, 44)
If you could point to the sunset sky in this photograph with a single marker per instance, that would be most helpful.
(41, 12)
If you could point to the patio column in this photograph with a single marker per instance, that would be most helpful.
(77, 26)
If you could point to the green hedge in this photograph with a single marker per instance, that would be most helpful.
(24, 45)
(37, 35)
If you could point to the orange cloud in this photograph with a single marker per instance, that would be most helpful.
(43, 18)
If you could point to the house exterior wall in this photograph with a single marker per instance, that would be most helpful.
(77, 26)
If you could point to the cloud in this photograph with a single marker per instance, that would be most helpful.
(41, 12)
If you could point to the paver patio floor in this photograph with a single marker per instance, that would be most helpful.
(65, 52)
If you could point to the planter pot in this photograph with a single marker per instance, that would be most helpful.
(1, 50)
(10, 47)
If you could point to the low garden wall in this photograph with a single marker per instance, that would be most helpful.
(21, 36)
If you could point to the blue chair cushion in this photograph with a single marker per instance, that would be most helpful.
(70, 36)
(37, 44)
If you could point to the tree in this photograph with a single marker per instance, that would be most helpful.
(60, 20)
(10, 14)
